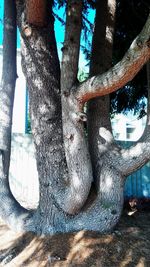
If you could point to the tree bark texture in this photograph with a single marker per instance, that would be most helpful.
(124, 71)
(37, 12)
(76, 151)
(68, 200)
(10, 210)
(101, 61)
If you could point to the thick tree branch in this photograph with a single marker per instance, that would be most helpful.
(102, 42)
(124, 71)
(148, 88)
(127, 160)
(101, 60)
(139, 154)
(70, 56)
(76, 151)
(10, 210)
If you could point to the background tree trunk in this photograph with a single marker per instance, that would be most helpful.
(9, 75)
(101, 61)
(10, 210)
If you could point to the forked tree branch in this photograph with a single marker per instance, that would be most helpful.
(123, 72)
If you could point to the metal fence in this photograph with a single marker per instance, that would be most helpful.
(23, 176)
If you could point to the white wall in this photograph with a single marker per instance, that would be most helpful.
(20, 97)
(19, 112)
(23, 176)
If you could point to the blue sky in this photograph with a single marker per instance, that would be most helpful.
(59, 31)
(1, 24)
(1, 18)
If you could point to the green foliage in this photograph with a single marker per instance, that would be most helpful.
(130, 18)
(82, 75)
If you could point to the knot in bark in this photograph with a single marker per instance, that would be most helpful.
(27, 31)
(80, 116)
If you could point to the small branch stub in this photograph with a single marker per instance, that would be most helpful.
(140, 43)
(27, 31)
(36, 12)
(70, 137)
(81, 116)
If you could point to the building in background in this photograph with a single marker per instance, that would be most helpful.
(128, 127)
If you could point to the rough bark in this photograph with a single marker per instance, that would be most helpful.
(64, 167)
(10, 210)
(76, 151)
(45, 108)
(101, 61)
(36, 12)
(43, 82)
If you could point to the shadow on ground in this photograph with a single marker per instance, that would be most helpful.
(128, 245)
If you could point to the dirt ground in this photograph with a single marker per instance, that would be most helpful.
(128, 245)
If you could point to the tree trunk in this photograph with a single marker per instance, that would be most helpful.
(10, 210)
(64, 187)
(67, 200)
(101, 61)
(43, 82)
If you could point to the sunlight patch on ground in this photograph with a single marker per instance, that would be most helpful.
(128, 245)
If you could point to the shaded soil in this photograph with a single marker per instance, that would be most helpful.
(128, 245)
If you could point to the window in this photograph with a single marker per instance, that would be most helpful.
(129, 132)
